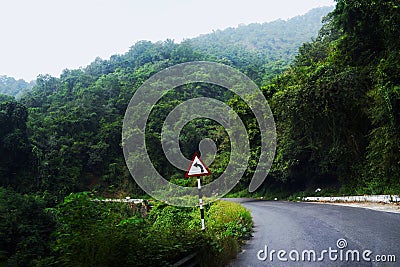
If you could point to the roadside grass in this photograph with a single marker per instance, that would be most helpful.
(228, 225)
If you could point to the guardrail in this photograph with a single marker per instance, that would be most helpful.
(143, 208)
(367, 198)
(188, 261)
(122, 200)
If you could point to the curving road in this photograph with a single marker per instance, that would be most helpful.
(310, 234)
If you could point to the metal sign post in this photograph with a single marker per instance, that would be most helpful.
(198, 168)
(203, 224)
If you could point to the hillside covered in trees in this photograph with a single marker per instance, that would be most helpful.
(337, 108)
(336, 103)
(269, 47)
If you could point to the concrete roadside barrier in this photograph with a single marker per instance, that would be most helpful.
(388, 199)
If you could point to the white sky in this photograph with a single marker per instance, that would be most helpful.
(47, 36)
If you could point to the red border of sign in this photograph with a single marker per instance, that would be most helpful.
(190, 166)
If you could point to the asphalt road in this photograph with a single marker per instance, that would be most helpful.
(300, 229)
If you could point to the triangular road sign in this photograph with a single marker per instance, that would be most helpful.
(197, 168)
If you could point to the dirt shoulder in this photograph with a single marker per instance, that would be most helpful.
(393, 208)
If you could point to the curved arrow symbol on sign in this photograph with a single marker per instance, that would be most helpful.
(199, 166)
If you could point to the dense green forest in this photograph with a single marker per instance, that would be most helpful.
(337, 108)
(261, 51)
(69, 128)
(336, 104)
